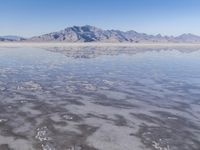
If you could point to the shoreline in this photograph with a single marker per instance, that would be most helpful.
(96, 45)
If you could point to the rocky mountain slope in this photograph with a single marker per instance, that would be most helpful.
(93, 34)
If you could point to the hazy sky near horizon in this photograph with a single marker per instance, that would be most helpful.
(35, 17)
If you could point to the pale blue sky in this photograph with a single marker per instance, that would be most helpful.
(35, 17)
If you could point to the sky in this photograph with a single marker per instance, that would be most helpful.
(34, 17)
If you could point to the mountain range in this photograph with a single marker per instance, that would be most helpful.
(11, 38)
(89, 33)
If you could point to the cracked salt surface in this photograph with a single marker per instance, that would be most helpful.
(43, 137)
(74, 148)
(67, 117)
(47, 147)
(3, 120)
(42, 134)
(30, 85)
(158, 147)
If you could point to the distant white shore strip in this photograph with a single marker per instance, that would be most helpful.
(96, 45)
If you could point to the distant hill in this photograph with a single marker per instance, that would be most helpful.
(11, 38)
(93, 34)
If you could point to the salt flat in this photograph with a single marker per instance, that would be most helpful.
(86, 98)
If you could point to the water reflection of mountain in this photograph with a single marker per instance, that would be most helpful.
(93, 52)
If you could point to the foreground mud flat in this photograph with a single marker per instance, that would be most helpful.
(147, 100)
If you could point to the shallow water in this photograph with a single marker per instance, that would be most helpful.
(141, 100)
